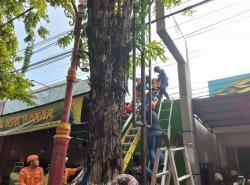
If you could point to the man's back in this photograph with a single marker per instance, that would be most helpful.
(163, 78)
(155, 121)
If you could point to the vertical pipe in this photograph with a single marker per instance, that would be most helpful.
(149, 66)
(143, 110)
(143, 119)
(134, 69)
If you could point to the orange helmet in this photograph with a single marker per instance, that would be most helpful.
(32, 158)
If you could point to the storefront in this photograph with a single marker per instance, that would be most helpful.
(31, 132)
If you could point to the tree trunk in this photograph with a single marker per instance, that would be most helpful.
(109, 47)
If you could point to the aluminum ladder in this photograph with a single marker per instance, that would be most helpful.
(171, 168)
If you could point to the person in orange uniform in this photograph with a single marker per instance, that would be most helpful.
(69, 172)
(32, 174)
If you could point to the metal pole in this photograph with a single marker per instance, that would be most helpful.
(143, 120)
(185, 92)
(149, 67)
(61, 139)
(134, 69)
(143, 112)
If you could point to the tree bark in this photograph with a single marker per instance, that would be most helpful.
(109, 46)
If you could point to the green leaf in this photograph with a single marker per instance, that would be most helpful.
(43, 32)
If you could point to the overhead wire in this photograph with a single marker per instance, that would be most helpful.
(64, 77)
(207, 14)
(68, 31)
(173, 64)
(56, 36)
(20, 15)
(208, 26)
(47, 61)
(45, 41)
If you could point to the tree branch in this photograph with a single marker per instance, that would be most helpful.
(74, 6)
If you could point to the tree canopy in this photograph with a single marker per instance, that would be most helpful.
(13, 84)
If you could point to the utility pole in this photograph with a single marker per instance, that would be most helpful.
(62, 137)
(188, 129)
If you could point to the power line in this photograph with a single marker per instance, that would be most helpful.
(50, 69)
(179, 11)
(223, 20)
(63, 33)
(199, 33)
(68, 31)
(20, 15)
(47, 60)
(45, 47)
(47, 40)
(64, 77)
(207, 87)
(171, 64)
(209, 13)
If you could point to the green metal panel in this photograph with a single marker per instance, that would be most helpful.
(175, 129)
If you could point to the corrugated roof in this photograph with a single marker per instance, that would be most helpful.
(46, 96)
(220, 111)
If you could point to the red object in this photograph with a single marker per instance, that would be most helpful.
(62, 137)
(127, 107)
(138, 81)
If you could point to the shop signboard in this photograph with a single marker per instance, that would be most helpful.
(230, 85)
(43, 117)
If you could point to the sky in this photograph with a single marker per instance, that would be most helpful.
(218, 51)
(217, 35)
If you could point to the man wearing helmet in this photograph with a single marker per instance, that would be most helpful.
(32, 174)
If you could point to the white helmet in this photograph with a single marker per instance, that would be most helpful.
(218, 177)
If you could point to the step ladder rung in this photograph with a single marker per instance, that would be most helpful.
(132, 135)
(135, 128)
(184, 177)
(164, 149)
(163, 119)
(176, 149)
(126, 144)
(162, 173)
(164, 110)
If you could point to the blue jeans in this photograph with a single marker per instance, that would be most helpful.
(152, 141)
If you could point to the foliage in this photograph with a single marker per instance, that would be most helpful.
(14, 85)
(9, 9)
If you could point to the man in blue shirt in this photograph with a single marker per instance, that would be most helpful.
(163, 81)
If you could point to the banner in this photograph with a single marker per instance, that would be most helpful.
(230, 85)
(44, 117)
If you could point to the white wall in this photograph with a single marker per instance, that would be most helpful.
(232, 140)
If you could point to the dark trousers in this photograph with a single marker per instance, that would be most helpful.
(163, 92)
